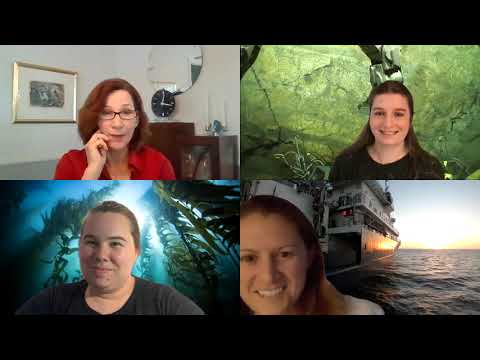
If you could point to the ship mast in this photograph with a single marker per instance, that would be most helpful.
(388, 195)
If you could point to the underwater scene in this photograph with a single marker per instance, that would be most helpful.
(189, 235)
(303, 104)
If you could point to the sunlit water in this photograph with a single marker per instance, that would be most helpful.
(430, 282)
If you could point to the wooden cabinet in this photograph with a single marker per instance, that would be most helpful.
(195, 157)
(208, 157)
(164, 139)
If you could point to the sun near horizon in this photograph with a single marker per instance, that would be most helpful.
(439, 230)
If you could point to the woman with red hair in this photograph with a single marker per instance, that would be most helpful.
(113, 126)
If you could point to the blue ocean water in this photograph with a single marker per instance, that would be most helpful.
(190, 246)
(420, 282)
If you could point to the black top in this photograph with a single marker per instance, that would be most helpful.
(147, 298)
(360, 166)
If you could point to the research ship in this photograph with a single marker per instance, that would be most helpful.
(352, 219)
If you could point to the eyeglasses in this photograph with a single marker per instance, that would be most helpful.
(124, 114)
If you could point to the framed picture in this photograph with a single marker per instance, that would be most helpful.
(43, 94)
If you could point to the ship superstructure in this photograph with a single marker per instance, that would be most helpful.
(352, 219)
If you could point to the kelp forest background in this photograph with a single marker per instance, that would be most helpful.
(189, 235)
(302, 105)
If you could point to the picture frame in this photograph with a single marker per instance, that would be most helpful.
(43, 94)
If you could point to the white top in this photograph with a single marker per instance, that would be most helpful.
(358, 306)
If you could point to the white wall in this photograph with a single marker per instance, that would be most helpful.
(218, 80)
(34, 142)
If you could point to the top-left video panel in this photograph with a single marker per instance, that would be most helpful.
(129, 112)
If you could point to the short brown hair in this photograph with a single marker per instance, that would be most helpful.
(96, 100)
(117, 208)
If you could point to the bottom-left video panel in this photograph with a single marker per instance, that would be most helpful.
(120, 247)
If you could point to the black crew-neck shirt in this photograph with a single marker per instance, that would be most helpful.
(360, 166)
(147, 298)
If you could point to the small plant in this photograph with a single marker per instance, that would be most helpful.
(304, 165)
(456, 169)
(448, 176)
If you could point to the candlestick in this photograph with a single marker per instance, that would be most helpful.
(210, 108)
(226, 113)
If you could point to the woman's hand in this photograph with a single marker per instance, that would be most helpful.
(96, 150)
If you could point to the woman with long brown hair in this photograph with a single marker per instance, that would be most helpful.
(281, 265)
(387, 147)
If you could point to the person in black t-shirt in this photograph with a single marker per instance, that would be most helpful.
(387, 147)
(108, 248)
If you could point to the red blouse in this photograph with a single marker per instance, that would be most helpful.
(145, 164)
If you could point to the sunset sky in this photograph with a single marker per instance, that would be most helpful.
(437, 214)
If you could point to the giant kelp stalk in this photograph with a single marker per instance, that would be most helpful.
(213, 209)
(62, 225)
(185, 261)
(146, 251)
(59, 274)
(177, 260)
(205, 217)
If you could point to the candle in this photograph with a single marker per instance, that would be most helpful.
(226, 113)
(209, 111)
(206, 115)
(210, 107)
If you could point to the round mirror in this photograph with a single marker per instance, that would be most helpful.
(174, 67)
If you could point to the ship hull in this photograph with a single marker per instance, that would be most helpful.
(356, 246)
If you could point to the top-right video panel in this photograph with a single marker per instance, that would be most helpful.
(360, 112)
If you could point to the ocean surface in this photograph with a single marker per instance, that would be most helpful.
(419, 282)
